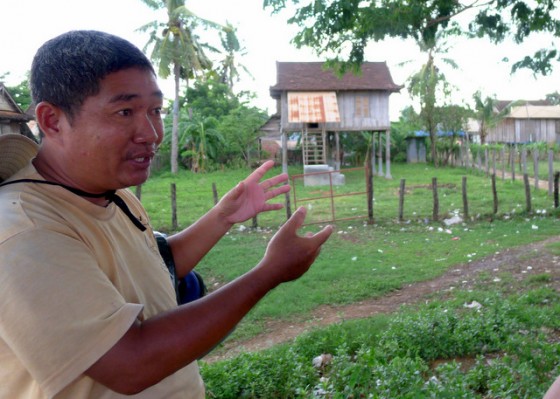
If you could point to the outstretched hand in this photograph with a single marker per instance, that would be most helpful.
(250, 196)
(288, 255)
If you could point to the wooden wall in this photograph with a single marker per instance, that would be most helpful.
(359, 110)
(525, 130)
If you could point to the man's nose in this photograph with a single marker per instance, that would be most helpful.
(149, 131)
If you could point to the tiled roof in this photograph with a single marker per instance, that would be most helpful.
(312, 76)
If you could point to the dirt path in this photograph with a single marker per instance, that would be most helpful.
(520, 262)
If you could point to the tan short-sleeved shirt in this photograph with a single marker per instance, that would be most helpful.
(74, 277)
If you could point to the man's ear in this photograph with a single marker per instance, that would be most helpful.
(49, 118)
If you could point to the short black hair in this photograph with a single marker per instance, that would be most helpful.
(68, 68)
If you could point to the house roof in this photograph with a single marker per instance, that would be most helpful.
(312, 76)
(9, 110)
(501, 104)
(535, 112)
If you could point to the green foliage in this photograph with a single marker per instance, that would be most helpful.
(20, 93)
(274, 374)
(344, 28)
(216, 129)
(436, 332)
(211, 98)
(477, 344)
(229, 69)
(241, 131)
(177, 52)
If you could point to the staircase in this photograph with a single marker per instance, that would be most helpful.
(313, 147)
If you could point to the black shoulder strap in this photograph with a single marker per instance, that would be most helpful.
(109, 195)
(165, 252)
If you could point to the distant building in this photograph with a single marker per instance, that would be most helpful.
(12, 118)
(314, 101)
(527, 122)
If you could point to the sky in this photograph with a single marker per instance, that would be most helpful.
(26, 24)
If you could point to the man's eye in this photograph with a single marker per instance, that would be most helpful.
(125, 112)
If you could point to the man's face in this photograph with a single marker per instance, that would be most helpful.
(113, 138)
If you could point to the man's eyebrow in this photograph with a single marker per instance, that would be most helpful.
(124, 97)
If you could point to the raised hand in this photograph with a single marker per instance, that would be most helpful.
(288, 255)
(250, 196)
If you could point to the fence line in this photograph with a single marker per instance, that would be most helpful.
(368, 196)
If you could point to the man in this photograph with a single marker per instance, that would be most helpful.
(87, 308)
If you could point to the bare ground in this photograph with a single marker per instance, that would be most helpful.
(520, 262)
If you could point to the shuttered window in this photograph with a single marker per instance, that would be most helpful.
(361, 107)
(312, 107)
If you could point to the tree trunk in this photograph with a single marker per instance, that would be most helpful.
(175, 128)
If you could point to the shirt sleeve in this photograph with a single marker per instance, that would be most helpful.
(59, 312)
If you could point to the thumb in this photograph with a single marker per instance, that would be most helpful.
(296, 220)
(323, 235)
(236, 192)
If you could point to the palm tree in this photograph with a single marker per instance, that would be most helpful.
(202, 142)
(487, 113)
(229, 66)
(176, 51)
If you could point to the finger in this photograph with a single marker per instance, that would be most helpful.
(277, 191)
(322, 236)
(272, 207)
(236, 192)
(258, 173)
(296, 220)
(274, 181)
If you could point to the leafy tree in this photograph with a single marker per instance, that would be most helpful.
(229, 69)
(202, 143)
(553, 98)
(199, 141)
(425, 85)
(240, 129)
(177, 51)
(210, 97)
(345, 27)
(453, 120)
(20, 93)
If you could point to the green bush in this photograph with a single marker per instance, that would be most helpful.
(453, 349)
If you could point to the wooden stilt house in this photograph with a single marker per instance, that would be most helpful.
(314, 101)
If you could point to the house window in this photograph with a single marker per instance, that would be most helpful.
(361, 107)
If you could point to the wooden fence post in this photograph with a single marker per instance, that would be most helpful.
(556, 178)
(524, 160)
(174, 224)
(513, 156)
(503, 156)
(527, 192)
(486, 163)
(370, 165)
(215, 193)
(380, 156)
(435, 213)
(536, 166)
(494, 195)
(550, 172)
(401, 200)
(465, 199)
(139, 192)
(493, 161)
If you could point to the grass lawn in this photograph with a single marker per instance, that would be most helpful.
(386, 356)
(195, 196)
(361, 260)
